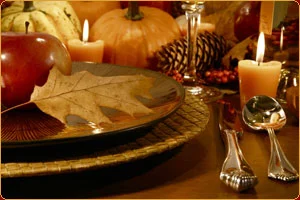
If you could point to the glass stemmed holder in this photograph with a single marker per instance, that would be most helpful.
(191, 81)
(289, 76)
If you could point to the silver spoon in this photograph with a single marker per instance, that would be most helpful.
(263, 112)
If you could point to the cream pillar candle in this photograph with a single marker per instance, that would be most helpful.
(258, 80)
(257, 77)
(86, 51)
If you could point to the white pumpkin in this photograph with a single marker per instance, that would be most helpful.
(54, 17)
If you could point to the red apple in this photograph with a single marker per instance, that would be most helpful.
(26, 59)
(246, 20)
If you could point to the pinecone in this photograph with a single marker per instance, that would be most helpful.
(210, 50)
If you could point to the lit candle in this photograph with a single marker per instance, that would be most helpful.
(257, 77)
(281, 38)
(84, 50)
(281, 56)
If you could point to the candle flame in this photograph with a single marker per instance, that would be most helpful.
(85, 33)
(260, 48)
(281, 38)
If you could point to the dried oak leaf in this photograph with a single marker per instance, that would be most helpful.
(83, 93)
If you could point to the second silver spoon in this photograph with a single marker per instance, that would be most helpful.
(263, 112)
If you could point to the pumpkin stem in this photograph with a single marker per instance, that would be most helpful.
(28, 6)
(26, 26)
(134, 12)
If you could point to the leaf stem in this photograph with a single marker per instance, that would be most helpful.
(14, 107)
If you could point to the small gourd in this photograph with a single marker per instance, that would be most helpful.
(54, 17)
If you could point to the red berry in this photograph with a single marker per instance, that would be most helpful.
(232, 77)
(226, 72)
(220, 74)
(224, 79)
(218, 80)
(207, 73)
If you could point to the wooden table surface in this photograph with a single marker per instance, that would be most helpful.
(190, 171)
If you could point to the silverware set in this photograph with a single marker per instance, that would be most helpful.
(236, 172)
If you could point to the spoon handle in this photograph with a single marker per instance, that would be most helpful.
(235, 158)
(236, 172)
(279, 166)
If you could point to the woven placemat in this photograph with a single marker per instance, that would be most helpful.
(189, 120)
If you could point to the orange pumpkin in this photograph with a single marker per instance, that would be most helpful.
(92, 10)
(131, 37)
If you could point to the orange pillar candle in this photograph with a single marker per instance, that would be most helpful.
(257, 77)
(86, 51)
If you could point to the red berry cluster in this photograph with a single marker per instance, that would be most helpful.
(175, 75)
(221, 76)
